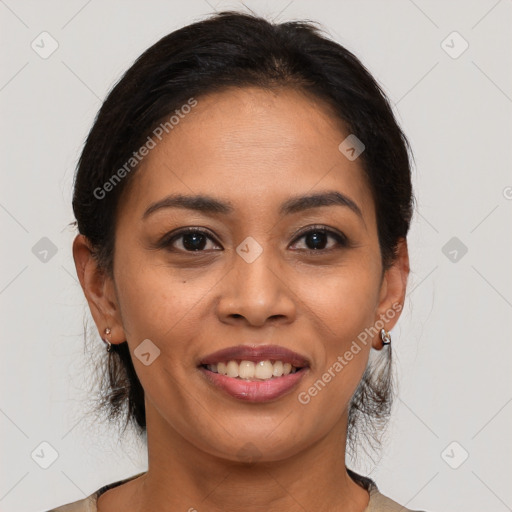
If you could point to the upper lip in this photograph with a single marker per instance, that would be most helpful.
(256, 354)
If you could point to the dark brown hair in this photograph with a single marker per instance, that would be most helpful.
(234, 49)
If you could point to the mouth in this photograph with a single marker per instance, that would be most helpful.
(263, 362)
(255, 374)
(248, 370)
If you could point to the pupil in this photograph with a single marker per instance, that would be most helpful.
(194, 241)
(317, 239)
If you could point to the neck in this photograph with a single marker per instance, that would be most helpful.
(182, 477)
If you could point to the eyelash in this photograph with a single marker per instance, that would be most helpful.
(340, 238)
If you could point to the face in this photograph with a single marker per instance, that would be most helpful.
(263, 266)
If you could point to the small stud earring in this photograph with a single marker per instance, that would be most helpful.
(109, 345)
(385, 337)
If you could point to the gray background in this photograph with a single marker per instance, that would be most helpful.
(452, 344)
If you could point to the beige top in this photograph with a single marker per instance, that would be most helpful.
(378, 502)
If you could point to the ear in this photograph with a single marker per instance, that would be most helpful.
(392, 292)
(99, 291)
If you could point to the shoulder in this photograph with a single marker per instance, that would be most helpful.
(89, 504)
(378, 501)
(85, 505)
(381, 503)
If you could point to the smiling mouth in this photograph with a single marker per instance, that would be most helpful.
(253, 371)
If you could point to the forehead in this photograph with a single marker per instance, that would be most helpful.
(252, 146)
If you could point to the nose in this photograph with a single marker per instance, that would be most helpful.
(256, 293)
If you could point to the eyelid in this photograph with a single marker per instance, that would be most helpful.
(169, 238)
(341, 238)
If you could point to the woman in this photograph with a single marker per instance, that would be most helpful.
(243, 201)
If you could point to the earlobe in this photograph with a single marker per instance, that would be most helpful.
(393, 290)
(98, 290)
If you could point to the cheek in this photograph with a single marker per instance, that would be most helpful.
(345, 298)
(345, 301)
(156, 300)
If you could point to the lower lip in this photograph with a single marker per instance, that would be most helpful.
(254, 390)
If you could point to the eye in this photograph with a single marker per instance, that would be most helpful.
(189, 240)
(316, 239)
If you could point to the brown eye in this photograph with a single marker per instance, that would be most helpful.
(189, 240)
(317, 239)
(194, 241)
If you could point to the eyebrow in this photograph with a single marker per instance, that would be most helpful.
(208, 204)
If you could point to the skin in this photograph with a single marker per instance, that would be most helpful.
(254, 148)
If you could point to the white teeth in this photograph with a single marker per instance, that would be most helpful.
(246, 370)
(232, 369)
(263, 370)
(278, 369)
